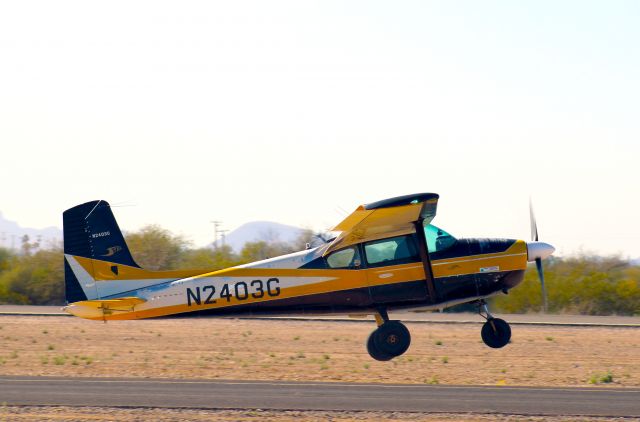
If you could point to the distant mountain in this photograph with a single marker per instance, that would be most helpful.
(261, 230)
(635, 261)
(11, 234)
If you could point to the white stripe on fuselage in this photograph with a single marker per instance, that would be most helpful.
(175, 293)
(104, 288)
(155, 289)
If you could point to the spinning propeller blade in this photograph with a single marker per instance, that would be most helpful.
(538, 250)
(541, 277)
(534, 225)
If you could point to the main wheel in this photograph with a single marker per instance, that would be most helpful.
(392, 338)
(496, 333)
(373, 350)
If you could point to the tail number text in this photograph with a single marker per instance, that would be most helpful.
(241, 291)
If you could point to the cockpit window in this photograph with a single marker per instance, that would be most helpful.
(392, 251)
(344, 258)
(437, 239)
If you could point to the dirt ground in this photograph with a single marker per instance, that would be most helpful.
(315, 351)
(67, 414)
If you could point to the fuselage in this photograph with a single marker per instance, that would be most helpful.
(305, 283)
(387, 255)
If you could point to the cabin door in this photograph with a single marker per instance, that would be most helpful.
(395, 273)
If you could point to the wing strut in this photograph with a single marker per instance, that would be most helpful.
(426, 261)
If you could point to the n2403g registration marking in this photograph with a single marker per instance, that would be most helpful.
(239, 290)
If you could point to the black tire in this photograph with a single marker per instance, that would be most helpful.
(374, 352)
(392, 338)
(496, 333)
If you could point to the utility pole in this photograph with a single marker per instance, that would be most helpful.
(216, 230)
(223, 235)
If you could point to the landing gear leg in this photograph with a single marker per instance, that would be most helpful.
(389, 340)
(496, 332)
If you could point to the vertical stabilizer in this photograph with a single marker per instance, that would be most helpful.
(91, 231)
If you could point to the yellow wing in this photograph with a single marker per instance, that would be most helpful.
(386, 218)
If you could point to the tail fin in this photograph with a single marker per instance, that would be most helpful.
(91, 231)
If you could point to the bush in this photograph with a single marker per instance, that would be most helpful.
(585, 284)
(34, 279)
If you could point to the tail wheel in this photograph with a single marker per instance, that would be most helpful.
(496, 333)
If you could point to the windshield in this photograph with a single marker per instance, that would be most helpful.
(438, 239)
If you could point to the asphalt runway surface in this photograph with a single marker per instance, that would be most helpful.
(285, 395)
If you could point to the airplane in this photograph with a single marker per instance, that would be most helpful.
(386, 256)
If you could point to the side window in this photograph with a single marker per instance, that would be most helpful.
(396, 250)
(438, 240)
(344, 258)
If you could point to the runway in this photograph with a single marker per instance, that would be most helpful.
(158, 393)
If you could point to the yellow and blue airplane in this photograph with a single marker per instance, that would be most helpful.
(387, 256)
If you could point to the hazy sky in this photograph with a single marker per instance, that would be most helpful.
(290, 111)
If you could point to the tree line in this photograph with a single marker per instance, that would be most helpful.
(583, 284)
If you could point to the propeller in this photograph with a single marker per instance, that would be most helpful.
(538, 251)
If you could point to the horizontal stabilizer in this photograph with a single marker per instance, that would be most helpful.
(112, 303)
(94, 309)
